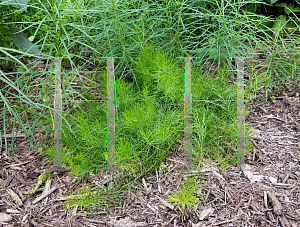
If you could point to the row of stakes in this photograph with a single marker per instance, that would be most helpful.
(240, 163)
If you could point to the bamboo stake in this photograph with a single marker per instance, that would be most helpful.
(57, 116)
(188, 115)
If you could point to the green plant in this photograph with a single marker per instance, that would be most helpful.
(43, 178)
(223, 73)
(255, 83)
(188, 198)
(86, 199)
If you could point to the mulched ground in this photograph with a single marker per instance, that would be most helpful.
(266, 196)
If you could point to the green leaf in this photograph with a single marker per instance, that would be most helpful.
(252, 7)
(281, 20)
(23, 43)
(19, 4)
(47, 176)
(296, 10)
(273, 1)
(289, 8)
(281, 5)
(31, 38)
(280, 23)
(40, 181)
(39, 190)
(86, 95)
